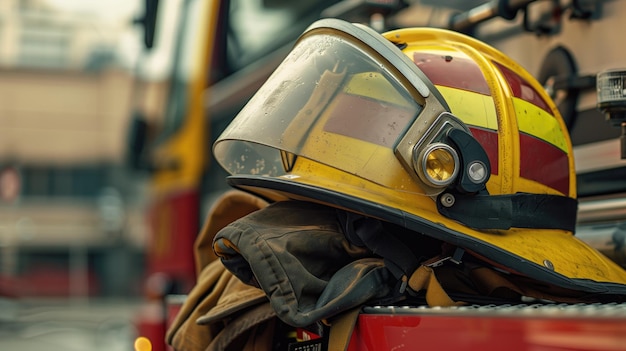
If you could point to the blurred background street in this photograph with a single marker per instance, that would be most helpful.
(72, 215)
(62, 324)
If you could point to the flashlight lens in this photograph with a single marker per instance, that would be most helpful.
(440, 164)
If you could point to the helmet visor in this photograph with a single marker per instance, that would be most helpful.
(334, 101)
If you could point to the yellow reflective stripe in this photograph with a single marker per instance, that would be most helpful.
(537, 122)
(375, 86)
(472, 108)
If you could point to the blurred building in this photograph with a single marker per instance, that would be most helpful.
(74, 227)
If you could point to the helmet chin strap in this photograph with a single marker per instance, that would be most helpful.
(521, 210)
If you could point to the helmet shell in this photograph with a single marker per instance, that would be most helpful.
(505, 109)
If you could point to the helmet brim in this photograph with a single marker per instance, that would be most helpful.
(552, 256)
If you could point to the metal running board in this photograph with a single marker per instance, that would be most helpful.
(580, 310)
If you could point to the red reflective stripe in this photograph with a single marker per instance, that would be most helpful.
(369, 120)
(544, 163)
(452, 71)
(488, 139)
(521, 89)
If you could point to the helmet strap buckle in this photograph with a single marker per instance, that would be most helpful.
(456, 258)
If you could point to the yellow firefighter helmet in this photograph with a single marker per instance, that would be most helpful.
(426, 128)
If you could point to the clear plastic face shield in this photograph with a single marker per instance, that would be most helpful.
(347, 98)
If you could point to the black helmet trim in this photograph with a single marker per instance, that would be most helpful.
(521, 210)
(518, 264)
